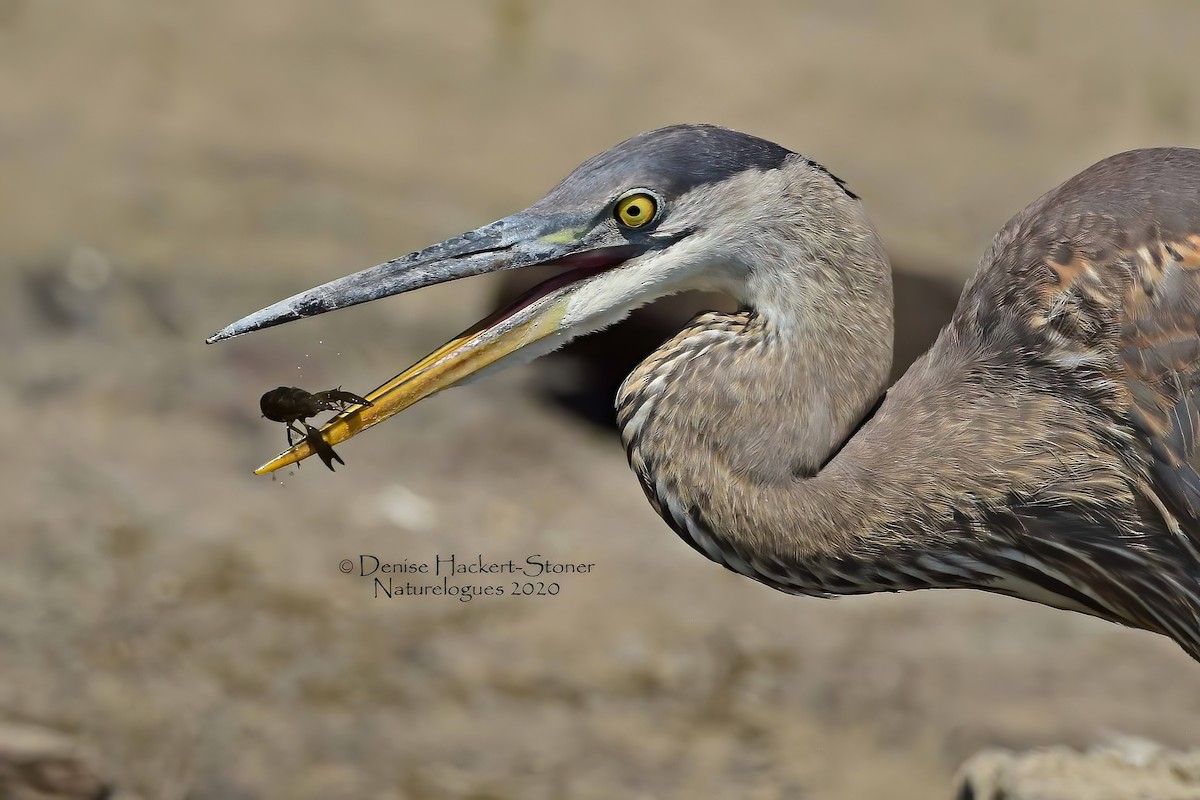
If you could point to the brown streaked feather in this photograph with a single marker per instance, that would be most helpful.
(1161, 356)
(1115, 314)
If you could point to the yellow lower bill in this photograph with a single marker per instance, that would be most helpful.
(494, 338)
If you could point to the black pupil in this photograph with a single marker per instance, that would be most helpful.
(635, 210)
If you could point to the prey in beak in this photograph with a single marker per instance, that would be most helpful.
(585, 246)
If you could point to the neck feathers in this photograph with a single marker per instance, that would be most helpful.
(739, 407)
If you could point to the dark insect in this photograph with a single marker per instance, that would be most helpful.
(291, 405)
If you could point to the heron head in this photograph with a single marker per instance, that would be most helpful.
(683, 207)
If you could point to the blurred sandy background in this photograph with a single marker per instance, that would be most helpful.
(168, 167)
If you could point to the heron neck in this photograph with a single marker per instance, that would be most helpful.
(729, 423)
(796, 378)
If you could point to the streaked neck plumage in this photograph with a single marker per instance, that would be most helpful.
(740, 408)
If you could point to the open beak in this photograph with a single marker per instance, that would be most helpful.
(524, 239)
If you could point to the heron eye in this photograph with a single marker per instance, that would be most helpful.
(635, 210)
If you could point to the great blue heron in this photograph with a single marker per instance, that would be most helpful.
(1044, 448)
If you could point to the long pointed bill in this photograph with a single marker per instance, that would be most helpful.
(517, 241)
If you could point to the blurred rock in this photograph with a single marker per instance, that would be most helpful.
(1125, 769)
(40, 764)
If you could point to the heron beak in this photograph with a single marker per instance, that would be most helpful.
(523, 239)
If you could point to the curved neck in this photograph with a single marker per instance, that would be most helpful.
(728, 423)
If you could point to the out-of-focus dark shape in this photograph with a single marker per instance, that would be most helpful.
(514, 30)
(85, 290)
(71, 294)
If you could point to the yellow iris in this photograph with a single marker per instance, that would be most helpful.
(635, 210)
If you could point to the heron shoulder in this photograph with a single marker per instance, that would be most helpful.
(1091, 296)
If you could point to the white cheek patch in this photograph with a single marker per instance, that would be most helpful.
(607, 298)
